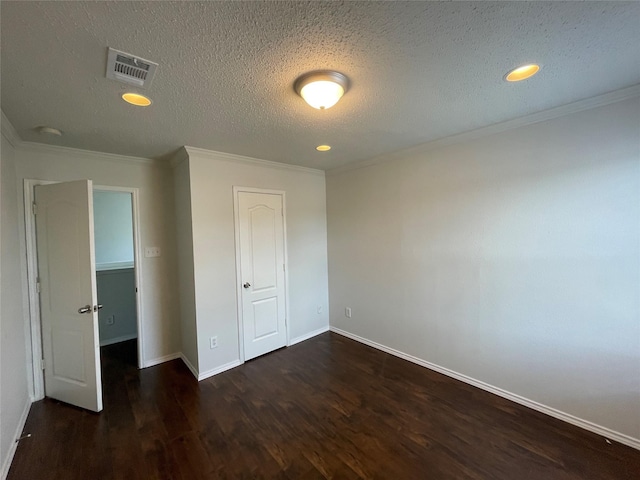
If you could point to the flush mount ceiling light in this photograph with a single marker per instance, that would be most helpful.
(48, 131)
(321, 89)
(522, 73)
(323, 148)
(136, 99)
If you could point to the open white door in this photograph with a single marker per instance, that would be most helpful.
(68, 306)
(260, 227)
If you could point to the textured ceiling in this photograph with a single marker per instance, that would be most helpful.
(419, 71)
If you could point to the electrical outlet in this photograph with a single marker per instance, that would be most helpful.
(319, 309)
(213, 342)
(111, 319)
(347, 312)
(150, 252)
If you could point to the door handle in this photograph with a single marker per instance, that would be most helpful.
(246, 285)
(97, 307)
(85, 309)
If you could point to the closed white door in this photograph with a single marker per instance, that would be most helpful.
(68, 306)
(260, 225)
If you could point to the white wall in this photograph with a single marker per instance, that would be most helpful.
(117, 295)
(14, 387)
(159, 306)
(113, 229)
(212, 177)
(513, 259)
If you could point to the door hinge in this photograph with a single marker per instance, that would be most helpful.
(42, 364)
(34, 208)
(283, 268)
(38, 284)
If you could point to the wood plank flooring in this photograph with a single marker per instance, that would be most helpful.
(326, 408)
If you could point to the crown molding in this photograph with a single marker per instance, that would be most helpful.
(561, 111)
(79, 153)
(240, 159)
(9, 131)
(180, 156)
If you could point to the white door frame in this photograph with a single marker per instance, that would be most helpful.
(32, 274)
(236, 216)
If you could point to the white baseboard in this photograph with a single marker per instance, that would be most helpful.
(192, 369)
(237, 363)
(216, 371)
(6, 464)
(123, 338)
(585, 424)
(189, 365)
(309, 335)
(209, 373)
(157, 361)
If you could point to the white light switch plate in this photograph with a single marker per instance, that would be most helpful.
(152, 252)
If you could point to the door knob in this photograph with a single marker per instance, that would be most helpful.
(85, 309)
(246, 285)
(97, 307)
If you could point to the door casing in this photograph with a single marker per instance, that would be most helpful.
(35, 322)
(236, 212)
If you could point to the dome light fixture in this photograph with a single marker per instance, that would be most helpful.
(323, 148)
(44, 130)
(522, 73)
(322, 88)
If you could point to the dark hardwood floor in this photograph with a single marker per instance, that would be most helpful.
(326, 408)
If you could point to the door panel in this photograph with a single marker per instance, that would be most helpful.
(64, 217)
(262, 279)
(265, 317)
(68, 350)
(66, 271)
(262, 236)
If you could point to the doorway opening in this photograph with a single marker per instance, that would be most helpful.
(115, 275)
(117, 260)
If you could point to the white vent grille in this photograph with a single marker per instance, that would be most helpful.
(128, 68)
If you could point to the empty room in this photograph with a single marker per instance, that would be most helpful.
(320, 239)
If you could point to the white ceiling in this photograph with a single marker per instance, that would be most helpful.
(419, 71)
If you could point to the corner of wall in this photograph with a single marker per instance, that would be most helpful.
(15, 348)
(9, 131)
(184, 242)
(180, 156)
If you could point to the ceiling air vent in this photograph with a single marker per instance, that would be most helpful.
(128, 68)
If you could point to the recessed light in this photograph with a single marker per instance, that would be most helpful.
(136, 99)
(522, 73)
(323, 148)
